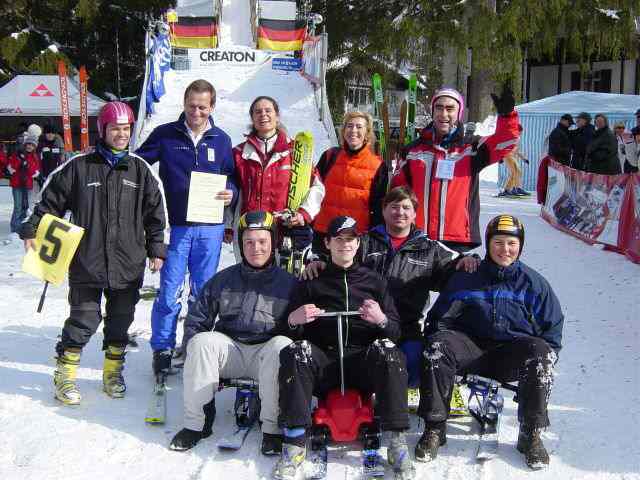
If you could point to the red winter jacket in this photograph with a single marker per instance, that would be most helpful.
(23, 167)
(263, 178)
(449, 210)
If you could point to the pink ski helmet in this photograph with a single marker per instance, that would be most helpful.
(114, 112)
(451, 93)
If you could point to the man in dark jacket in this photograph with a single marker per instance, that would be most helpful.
(602, 152)
(636, 130)
(191, 144)
(118, 200)
(51, 150)
(234, 329)
(559, 142)
(311, 364)
(580, 139)
(502, 322)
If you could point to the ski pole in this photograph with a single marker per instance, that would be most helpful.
(44, 294)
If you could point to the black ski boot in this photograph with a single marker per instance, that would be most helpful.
(530, 444)
(186, 438)
(434, 437)
(271, 444)
(162, 361)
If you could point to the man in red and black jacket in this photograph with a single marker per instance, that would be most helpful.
(443, 167)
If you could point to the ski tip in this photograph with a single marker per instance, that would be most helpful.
(154, 420)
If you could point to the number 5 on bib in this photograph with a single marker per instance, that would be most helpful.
(56, 243)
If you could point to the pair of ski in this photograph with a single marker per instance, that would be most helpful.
(485, 406)
(247, 406)
(373, 465)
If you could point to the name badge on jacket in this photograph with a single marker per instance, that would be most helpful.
(445, 168)
(211, 154)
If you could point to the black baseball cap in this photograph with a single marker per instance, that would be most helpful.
(567, 116)
(342, 224)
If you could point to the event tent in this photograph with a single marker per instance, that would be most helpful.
(39, 96)
(540, 117)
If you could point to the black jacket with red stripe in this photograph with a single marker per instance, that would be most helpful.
(449, 210)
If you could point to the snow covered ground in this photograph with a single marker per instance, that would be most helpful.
(594, 405)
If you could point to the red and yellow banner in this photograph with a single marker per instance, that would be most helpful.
(64, 106)
(84, 117)
(194, 32)
(281, 35)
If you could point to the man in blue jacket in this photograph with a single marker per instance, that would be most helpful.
(191, 144)
(502, 322)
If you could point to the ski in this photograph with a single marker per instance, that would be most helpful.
(236, 440)
(411, 109)
(316, 468)
(488, 441)
(157, 409)
(372, 464)
(378, 100)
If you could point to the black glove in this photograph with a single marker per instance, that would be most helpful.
(40, 180)
(6, 173)
(505, 102)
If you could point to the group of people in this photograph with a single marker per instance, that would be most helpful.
(383, 239)
(596, 149)
(34, 155)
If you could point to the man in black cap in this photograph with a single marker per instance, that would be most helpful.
(310, 366)
(581, 138)
(559, 142)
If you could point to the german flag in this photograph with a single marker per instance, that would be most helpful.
(194, 32)
(281, 35)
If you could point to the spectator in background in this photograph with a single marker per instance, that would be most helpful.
(636, 130)
(560, 141)
(23, 167)
(580, 139)
(21, 133)
(602, 151)
(633, 153)
(51, 150)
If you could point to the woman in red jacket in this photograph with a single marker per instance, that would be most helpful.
(355, 179)
(263, 171)
(23, 167)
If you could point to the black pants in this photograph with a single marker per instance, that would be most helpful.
(306, 370)
(529, 360)
(85, 316)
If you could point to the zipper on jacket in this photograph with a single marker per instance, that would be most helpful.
(346, 317)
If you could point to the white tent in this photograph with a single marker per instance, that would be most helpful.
(540, 117)
(39, 96)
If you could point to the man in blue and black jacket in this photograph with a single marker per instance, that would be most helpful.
(191, 144)
(502, 322)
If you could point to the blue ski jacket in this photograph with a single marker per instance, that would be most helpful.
(171, 145)
(499, 303)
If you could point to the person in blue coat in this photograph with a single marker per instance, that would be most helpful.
(502, 322)
(191, 144)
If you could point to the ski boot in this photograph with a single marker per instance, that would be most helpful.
(186, 438)
(162, 361)
(431, 440)
(291, 462)
(399, 458)
(64, 377)
(530, 444)
(271, 444)
(112, 379)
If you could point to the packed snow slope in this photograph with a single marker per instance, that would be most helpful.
(593, 408)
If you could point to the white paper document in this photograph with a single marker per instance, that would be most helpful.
(202, 206)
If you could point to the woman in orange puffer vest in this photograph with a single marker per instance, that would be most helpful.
(354, 177)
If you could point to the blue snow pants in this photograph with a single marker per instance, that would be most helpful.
(193, 248)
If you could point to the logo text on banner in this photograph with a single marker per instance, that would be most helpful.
(200, 58)
(287, 64)
(56, 242)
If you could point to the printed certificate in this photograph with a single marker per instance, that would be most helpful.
(202, 206)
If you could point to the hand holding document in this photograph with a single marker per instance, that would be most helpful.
(203, 207)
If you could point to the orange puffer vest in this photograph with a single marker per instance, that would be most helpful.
(348, 188)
